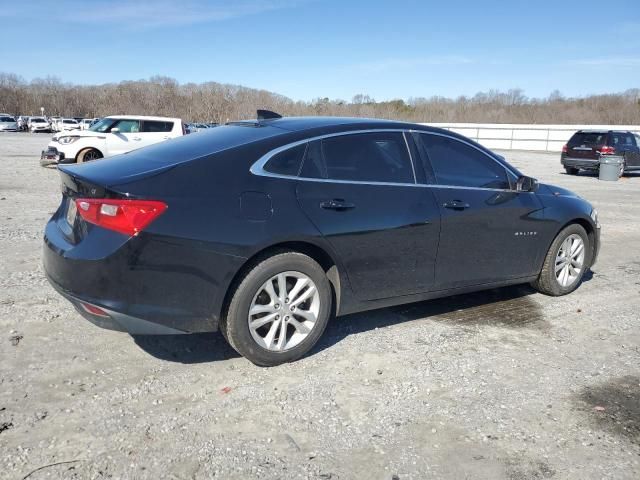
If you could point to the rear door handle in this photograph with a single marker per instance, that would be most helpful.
(336, 204)
(456, 205)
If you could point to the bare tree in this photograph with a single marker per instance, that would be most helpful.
(215, 102)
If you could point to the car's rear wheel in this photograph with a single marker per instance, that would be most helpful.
(566, 262)
(279, 309)
(571, 170)
(88, 155)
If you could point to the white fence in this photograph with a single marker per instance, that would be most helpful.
(547, 138)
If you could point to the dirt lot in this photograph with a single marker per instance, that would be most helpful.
(500, 384)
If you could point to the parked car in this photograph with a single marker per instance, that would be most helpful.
(262, 229)
(39, 124)
(586, 147)
(8, 124)
(54, 121)
(200, 126)
(85, 123)
(110, 136)
(67, 124)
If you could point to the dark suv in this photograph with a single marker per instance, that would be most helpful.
(585, 148)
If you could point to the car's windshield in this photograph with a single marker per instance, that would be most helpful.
(7, 119)
(37, 120)
(69, 121)
(103, 125)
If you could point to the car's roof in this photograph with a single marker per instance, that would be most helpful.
(602, 131)
(297, 124)
(143, 117)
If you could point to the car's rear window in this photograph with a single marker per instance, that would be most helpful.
(156, 126)
(588, 138)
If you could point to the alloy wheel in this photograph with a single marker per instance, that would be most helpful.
(284, 311)
(569, 260)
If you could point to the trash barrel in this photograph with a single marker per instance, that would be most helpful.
(610, 167)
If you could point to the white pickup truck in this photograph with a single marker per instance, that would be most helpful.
(110, 136)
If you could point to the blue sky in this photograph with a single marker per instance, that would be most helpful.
(315, 48)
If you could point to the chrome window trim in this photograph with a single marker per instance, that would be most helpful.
(471, 145)
(258, 166)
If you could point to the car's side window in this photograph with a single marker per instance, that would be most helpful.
(457, 164)
(127, 126)
(287, 162)
(363, 157)
(155, 126)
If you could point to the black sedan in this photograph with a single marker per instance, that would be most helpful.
(264, 229)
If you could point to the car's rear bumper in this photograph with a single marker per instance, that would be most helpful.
(110, 319)
(146, 284)
(584, 163)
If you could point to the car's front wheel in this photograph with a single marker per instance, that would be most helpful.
(88, 155)
(565, 263)
(279, 309)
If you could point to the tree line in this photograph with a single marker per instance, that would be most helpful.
(216, 102)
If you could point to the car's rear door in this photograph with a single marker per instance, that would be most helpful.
(155, 131)
(489, 232)
(359, 190)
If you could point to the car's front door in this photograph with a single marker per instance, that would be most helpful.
(124, 136)
(359, 191)
(489, 231)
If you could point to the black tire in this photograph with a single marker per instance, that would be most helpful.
(571, 170)
(88, 155)
(235, 324)
(547, 282)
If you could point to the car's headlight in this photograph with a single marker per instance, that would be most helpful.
(67, 140)
(594, 217)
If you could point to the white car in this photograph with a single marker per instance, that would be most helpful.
(8, 124)
(68, 124)
(110, 136)
(53, 121)
(38, 124)
(85, 123)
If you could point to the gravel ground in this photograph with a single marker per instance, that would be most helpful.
(500, 384)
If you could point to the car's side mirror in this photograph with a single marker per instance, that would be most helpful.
(527, 184)
(115, 130)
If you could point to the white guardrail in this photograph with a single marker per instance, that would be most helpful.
(506, 136)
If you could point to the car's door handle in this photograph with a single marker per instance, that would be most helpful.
(336, 204)
(456, 205)
(137, 139)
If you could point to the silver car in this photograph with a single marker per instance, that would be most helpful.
(8, 124)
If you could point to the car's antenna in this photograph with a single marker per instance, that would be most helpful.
(267, 115)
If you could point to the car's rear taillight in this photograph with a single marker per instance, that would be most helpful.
(565, 148)
(122, 215)
(606, 150)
